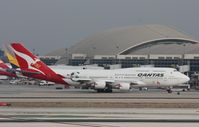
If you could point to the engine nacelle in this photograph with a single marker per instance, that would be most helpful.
(124, 86)
(99, 85)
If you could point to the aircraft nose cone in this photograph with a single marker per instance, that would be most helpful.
(185, 78)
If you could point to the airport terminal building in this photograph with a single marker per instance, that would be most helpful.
(134, 46)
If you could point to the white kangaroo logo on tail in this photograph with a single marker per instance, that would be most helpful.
(29, 60)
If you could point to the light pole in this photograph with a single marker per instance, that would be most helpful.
(184, 51)
(66, 55)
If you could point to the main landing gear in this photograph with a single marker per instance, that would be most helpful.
(107, 89)
(169, 90)
(104, 90)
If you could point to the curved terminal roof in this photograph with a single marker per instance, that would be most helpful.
(153, 39)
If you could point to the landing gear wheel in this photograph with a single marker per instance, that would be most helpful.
(108, 90)
(100, 90)
(169, 91)
(104, 90)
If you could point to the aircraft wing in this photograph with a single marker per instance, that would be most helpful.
(114, 83)
(2, 69)
(89, 79)
(137, 83)
(110, 81)
(81, 79)
(20, 71)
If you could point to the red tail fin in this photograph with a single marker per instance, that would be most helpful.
(4, 70)
(3, 65)
(30, 63)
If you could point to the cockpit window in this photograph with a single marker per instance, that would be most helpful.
(175, 70)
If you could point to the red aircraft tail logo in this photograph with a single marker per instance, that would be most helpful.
(29, 62)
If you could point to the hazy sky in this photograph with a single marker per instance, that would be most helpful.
(46, 25)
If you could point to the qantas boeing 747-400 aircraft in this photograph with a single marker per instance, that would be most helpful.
(100, 80)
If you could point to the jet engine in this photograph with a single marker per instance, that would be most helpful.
(124, 86)
(99, 84)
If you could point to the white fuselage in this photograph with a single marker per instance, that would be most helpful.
(68, 67)
(138, 76)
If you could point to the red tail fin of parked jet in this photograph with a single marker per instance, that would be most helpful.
(3, 65)
(4, 70)
(32, 66)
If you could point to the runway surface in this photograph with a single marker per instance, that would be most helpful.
(8, 91)
(47, 106)
(48, 96)
(96, 124)
(97, 117)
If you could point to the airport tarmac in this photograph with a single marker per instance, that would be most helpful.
(44, 105)
(35, 91)
(48, 96)
(96, 124)
(98, 117)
